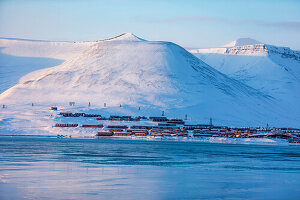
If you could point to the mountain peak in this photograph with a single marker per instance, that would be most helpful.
(126, 37)
(242, 42)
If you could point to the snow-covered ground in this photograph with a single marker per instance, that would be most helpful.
(273, 70)
(39, 120)
(133, 72)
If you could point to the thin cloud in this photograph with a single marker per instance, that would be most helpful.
(186, 19)
(290, 25)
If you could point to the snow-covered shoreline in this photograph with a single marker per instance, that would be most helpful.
(213, 140)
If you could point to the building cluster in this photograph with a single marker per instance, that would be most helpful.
(177, 127)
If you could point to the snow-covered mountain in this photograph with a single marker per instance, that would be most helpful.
(242, 42)
(272, 70)
(242, 46)
(156, 76)
(133, 72)
(19, 57)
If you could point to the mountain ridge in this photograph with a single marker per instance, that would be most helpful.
(242, 42)
(270, 69)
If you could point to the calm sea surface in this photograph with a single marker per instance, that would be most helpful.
(62, 168)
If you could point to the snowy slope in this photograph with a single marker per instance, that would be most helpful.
(270, 69)
(40, 48)
(19, 57)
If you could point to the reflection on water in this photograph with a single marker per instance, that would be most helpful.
(51, 168)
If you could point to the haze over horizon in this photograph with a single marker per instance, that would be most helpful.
(194, 24)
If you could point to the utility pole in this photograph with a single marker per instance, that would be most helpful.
(267, 128)
(185, 117)
(210, 122)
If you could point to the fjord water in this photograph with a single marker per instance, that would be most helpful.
(34, 167)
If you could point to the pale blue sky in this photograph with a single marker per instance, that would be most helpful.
(190, 23)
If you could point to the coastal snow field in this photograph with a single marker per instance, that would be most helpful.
(153, 75)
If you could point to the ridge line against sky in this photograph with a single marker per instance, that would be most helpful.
(190, 23)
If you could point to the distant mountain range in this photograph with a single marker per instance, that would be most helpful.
(272, 70)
